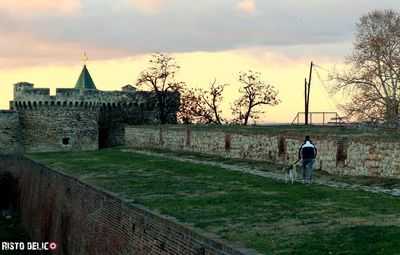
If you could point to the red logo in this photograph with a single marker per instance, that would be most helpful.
(53, 246)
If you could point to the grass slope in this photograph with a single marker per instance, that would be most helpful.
(269, 216)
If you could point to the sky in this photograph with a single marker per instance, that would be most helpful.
(42, 42)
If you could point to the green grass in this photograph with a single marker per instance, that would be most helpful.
(269, 216)
(389, 183)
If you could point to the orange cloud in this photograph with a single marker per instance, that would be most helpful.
(35, 7)
(147, 6)
(247, 6)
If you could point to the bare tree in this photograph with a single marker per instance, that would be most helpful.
(159, 77)
(254, 93)
(373, 70)
(202, 106)
(209, 102)
(187, 113)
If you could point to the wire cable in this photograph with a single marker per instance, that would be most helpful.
(335, 102)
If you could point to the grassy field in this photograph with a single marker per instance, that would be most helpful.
(389, 183)
(269, 216)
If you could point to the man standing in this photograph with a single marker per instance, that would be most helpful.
(307, 152)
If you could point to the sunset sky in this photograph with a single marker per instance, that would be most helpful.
(42, 42)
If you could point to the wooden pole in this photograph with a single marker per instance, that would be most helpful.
(307, 86)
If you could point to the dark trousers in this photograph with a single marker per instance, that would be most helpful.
(310, 163)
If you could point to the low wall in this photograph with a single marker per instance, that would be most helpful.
(336, 154)
(83, 219)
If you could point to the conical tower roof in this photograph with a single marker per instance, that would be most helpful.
(85, 80)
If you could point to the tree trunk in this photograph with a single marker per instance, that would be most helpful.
(392, 113)
(161, 108)
(246, 117)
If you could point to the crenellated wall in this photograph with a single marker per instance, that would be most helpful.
(359, 156)
(75, 119)
(84, 219)
(26, 96)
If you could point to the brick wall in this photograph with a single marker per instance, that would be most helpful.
(336, 154)
(83, 219)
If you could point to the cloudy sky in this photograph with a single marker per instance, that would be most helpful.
(42, 42)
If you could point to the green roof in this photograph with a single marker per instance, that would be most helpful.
(85, 80)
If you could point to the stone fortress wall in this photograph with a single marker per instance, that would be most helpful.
(359, 156)
(67, 121)
(74, 119)
(9, 131)
(26, 95)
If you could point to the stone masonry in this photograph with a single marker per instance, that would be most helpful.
(77, 118)
(9, 132)
(336, 154)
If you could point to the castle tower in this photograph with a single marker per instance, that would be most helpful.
(79, 118)
(66, 121)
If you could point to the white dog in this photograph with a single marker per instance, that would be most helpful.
(290, 173)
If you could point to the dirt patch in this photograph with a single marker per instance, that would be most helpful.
(376, 220)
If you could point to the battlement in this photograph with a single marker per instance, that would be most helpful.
(79, 118)
(26, 96)
(20, 86)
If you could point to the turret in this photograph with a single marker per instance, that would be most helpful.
(85, 81)
(20, 87)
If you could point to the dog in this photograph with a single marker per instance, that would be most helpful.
(290, 173)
